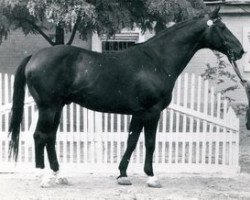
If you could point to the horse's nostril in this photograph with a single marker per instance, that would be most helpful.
(242, 51)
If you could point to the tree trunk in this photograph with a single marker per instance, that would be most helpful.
(59, 37)
(159, 26)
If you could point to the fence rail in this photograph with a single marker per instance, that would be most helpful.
(198, 132)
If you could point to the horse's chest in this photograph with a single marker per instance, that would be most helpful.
(167, 99)
(152, 93)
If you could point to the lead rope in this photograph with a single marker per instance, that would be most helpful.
(246, 85)
(237, 71)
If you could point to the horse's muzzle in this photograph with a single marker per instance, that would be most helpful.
(233, 55)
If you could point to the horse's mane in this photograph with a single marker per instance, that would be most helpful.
(170, 30)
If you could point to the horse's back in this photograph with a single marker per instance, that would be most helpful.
(49, 56)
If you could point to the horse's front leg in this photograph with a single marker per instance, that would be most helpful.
(150, 127)
(134, 133)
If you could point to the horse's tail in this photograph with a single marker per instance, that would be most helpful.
(17, 107)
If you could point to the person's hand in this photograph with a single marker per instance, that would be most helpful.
(246, 84)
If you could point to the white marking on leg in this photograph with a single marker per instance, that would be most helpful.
(154, 182)
(48, 179)
(124, 181)
(39, 173)
(60, 179)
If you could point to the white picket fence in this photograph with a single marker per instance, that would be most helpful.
(198, 133)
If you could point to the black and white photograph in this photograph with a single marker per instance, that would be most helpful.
(124, 99)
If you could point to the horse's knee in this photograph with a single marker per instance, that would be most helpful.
(132, 141)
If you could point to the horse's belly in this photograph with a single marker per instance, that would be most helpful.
(108, 103)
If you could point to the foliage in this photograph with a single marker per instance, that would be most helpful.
(4, 28)
(225, 80)
(220, 75)
(220, 70)
(87, 16)
(176, 10)
(240, 109)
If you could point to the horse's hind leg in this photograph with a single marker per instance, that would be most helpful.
(50, 146)
(51, 150)
(150, 127)
(41, 137)
(134, 133)
(45, 135)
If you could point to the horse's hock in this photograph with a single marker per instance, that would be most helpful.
(198, 133)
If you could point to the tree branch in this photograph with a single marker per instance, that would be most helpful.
(73, 32)
(37, 29)
(40, 32)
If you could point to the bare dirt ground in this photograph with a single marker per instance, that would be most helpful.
(102, 186)
(89, 186)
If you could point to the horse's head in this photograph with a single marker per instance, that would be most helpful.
(219, 38)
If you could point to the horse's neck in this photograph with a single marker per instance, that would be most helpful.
(175, 49)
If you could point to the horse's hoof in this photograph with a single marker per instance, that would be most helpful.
(124, 181)
(62, 181)
(154, 182)
(39, 174)
(46, 183)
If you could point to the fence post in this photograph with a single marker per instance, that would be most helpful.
(1, 102)
(91, 137)
(98, 136)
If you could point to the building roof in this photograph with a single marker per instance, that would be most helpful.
(228, 2)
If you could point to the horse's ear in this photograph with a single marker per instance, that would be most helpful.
(215, 13)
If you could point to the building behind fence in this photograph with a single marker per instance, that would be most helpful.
(198, 133)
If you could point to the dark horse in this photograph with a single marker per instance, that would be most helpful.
(137, 81)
